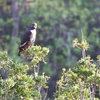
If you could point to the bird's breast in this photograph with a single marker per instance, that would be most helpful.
(33, 35)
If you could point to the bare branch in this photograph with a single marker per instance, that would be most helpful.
(83, 50)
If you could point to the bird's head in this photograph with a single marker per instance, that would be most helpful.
(34, 26)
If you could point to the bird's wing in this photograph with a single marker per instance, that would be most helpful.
(25, 38)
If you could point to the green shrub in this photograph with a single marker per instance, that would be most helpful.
(19, 85)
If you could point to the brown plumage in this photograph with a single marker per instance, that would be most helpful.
(28, 39)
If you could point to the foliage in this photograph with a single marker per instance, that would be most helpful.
(19, 85)
(82, 81)
(78, 83)
(59, 21)
(57, 26)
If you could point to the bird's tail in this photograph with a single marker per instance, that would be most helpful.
(19, 54)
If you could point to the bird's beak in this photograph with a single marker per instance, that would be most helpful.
(35, 26)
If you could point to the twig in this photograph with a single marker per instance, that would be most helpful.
(45, 95)
(5, 98)
(36, 71)
(70, 92)
(58, 92)
(83, 50)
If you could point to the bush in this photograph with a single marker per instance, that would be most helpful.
(18, 85)
(79, 83)
(82, 81)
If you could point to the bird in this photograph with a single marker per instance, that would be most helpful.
(28, 39)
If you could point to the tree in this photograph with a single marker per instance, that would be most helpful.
(82, 81)
(19, 85)
(59, 21)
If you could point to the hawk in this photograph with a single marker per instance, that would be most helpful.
(28, 39)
